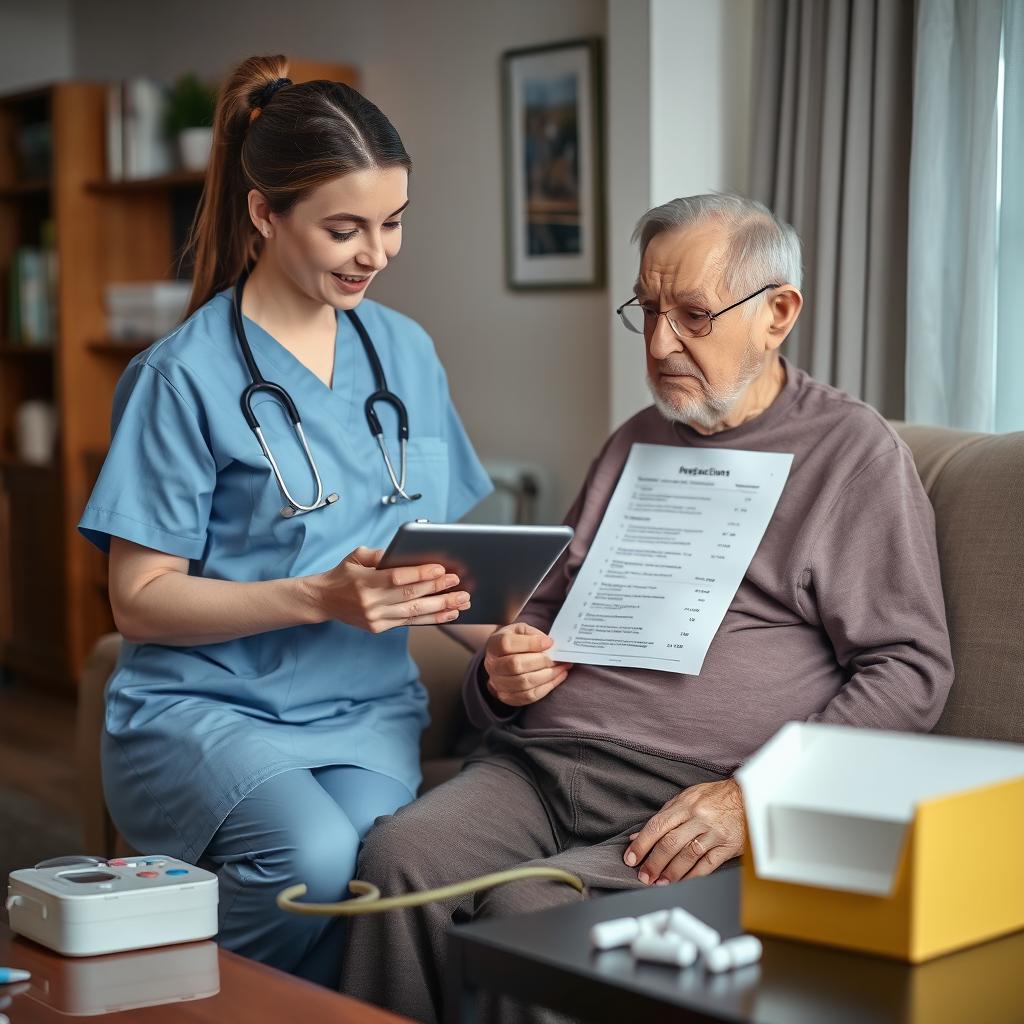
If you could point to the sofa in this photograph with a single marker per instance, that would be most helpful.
(976, 486)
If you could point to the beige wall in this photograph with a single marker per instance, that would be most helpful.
(676, 128)
(529, 372)
(35, 42)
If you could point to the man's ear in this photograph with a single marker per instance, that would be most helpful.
(784, 306)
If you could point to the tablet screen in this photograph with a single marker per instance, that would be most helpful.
(499, 566)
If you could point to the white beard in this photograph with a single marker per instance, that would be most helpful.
(709, 410)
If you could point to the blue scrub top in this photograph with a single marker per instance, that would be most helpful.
(190, 731)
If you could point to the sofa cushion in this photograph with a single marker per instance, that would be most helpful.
(976, 486)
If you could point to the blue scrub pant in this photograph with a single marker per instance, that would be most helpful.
(305, 826)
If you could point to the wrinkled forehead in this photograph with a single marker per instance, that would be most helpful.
(685, 265)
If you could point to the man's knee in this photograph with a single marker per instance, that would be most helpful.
(403, 849)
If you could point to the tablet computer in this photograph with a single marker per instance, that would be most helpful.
(499, 566)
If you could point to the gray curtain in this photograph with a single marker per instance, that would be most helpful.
(832, 156)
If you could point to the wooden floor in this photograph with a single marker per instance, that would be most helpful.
(37, 747)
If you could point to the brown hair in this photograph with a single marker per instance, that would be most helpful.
(283, 142)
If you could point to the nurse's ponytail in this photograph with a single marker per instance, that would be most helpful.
(283, 140)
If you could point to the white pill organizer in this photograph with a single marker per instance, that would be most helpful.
(96, 906)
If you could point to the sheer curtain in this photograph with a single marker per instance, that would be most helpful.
(965, 296)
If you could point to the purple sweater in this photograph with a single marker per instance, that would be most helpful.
(839, 618)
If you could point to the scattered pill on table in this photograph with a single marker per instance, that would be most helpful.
(738, 952)
(610, 934)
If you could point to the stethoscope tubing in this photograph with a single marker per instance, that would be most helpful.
(381, 394)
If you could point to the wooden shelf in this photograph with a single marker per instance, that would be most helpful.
(26, 351)
(9, 461)
(20, 189)
(33, 94)
(106, 232)
(178, 179)
(110, 347)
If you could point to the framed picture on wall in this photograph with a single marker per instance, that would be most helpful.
(554, 232)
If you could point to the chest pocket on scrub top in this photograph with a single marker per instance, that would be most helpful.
(427, 475)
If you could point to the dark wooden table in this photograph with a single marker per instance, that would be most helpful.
(545, 959)
(185, 984)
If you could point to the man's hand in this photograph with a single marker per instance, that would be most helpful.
(694, 833)
(518, 671)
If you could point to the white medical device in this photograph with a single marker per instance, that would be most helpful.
(84, 906)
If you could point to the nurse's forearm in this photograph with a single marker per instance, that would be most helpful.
(181, 610)
(156, 600)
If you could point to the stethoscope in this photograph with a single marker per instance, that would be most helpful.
(382, 394)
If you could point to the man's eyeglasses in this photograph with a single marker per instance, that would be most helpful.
(686, 321)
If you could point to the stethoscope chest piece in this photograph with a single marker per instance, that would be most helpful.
(290, 510)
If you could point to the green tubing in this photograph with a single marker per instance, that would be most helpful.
(368, 900)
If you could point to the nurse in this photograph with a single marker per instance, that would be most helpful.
(265, 709)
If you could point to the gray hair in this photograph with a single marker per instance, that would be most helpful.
(762, 247)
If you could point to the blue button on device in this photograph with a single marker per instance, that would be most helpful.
(177, 871)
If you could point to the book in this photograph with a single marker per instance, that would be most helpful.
(31, 273)
(115, 132)
(33, 296)
(136, 144)
(146, 151)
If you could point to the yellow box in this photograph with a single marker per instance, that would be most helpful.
(903, 845)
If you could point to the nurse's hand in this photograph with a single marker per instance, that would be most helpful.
(519, 672)
(358, 593)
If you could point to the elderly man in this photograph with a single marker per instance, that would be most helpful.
(624, 776)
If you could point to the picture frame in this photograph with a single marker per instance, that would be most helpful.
(553, 167)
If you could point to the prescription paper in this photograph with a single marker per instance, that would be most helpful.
(677, 537)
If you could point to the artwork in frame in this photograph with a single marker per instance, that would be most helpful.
(553, 174)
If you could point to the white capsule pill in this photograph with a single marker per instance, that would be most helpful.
(664, 949)
(739, 952)
(693, 928)
(654, 922)
(610, 934)
(688, 952)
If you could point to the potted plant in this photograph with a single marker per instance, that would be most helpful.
(190, 107)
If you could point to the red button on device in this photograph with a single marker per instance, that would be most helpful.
(149, 874)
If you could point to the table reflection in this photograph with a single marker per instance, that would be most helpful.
(126, 981)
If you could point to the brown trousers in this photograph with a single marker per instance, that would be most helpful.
(559, 799)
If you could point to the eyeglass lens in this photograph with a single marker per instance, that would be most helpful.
(685, 321)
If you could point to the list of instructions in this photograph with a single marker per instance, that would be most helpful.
(677, 537)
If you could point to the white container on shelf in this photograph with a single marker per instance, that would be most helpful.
(194, 146)
(146, 310)
(35, 429)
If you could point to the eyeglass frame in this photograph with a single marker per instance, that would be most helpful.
(711, 317)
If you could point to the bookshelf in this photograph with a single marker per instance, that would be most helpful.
(180, 179)
(53, 601)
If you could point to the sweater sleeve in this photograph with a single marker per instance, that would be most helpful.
(874, 579)
(485, 710)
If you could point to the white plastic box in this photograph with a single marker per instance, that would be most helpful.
(146, 310)
(905, 845)
(136, 903)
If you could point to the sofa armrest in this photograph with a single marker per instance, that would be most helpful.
(442, 663)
